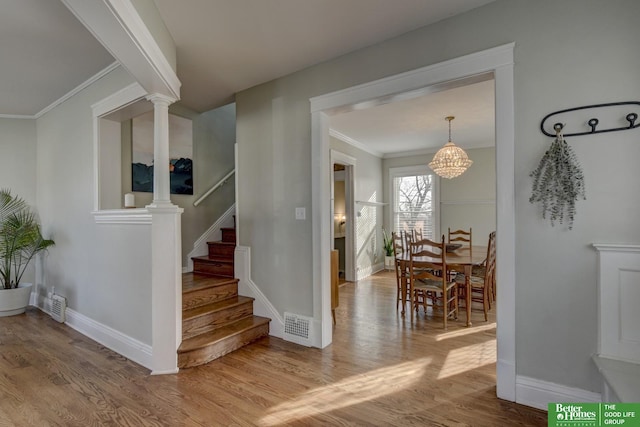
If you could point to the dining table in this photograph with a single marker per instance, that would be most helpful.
(460, 260)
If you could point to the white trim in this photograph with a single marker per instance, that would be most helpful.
(125, 345)
(77, 89)
(483, 62)
(17, 116)
(123, 216)
(246, 287)
(499, 61)
(370, 270)
(354, 143)
(213, 233)
(538, 394)
(135, 28)
(351, 229)
(116, 101)
(616, 247)
(91, 80)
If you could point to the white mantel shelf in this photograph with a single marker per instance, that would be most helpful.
(617, 247)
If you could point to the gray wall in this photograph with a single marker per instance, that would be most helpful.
(214, 136)
(18, 170)
(104, 270)
(568, 53)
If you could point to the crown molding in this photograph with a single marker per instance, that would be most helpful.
(91, 80)
(16, 116)
(66, 96)
(354, 143)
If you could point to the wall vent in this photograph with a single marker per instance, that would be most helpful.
(298, 329)
(58, 308)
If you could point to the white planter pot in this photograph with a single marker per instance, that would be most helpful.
(389, 262)
(15, 301)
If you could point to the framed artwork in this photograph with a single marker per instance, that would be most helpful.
(180, 154)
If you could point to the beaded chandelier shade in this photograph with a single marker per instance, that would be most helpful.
(450, 161)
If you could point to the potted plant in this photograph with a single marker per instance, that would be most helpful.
(389, 258)
(20, 241)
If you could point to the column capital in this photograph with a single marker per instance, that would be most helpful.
(158, 98)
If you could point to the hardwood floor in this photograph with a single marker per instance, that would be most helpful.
(380, 371)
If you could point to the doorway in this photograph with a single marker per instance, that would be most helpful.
(343, 231)
(498, 61)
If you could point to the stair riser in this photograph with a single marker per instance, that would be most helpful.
(216, 250)
(229, 235)
(224, 269)
(209, 295)
(207, 354)
(213, 320)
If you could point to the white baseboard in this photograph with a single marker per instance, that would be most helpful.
(368, 271)
(114, 340)
(212, 234)
(246, 287)
(538, 394)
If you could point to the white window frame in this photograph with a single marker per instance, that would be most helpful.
(413, 171)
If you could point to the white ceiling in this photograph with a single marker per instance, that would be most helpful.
(225, 46)
(418, 125)
(44, 53)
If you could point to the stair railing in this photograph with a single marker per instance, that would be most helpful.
(219, 184)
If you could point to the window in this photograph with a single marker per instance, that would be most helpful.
(414, 200)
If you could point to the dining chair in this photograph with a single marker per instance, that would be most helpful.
(429, 282)
(401, 273)
(416, 234)
(463, 238)
(482, 279)
(460, 236)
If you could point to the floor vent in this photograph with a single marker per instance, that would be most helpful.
(298, 329)
(58, 308)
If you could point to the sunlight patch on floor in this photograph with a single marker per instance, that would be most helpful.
(349, 391)
(465, 331)
(467, 358)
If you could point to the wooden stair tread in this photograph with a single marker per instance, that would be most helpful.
(220, 242)
(214, 306)
(212, 260)
(192, 282)
(217, 335)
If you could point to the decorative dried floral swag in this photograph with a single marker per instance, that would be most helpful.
(558, 182)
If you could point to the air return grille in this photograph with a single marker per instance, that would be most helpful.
(58, 308)
(298, 329)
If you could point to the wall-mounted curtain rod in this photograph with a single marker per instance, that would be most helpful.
(214, 188)
(593, 123)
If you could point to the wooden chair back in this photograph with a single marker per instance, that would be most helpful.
(421, 269)
(460, 236)
(416, 234)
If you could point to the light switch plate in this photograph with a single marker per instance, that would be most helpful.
(301, 213)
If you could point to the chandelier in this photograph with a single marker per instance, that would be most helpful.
(450, 161)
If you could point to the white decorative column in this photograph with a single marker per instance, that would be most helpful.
(166, 250)
(161, 182)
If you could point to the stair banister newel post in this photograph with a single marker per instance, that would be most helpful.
(166, 247)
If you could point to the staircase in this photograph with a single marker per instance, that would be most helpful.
(215, 319)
